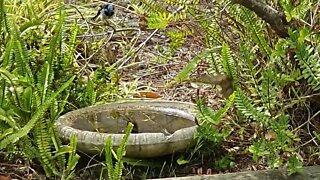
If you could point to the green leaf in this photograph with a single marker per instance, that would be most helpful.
(182, 161)
(108, 156)
(27, 99)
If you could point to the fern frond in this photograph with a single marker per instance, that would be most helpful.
(44, 147)
(254, 26)
(108, 156)
(68, 58)
(59, 158)
(38, 114)
(228, 64)
(22, 56)
(6, 57)
(90, 92)
(157, 20)
(307, 57)
(269, 90)
(246, 107)
(2, 11)
(3, 90)
(206, 114)
(57, 38)
(121, 152)
(73, 157)
(251, 68)
(309, 61)
(182, 3)
(150, 6)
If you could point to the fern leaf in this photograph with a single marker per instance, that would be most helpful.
(246, 107)
(67, 59)
(6, 57)
(108, 155)
(73, 158)
(2, 16)
(55, 42)
(254, 26)
(38, 114)
(44, 147)
(309, 61)
(228, 64)
(121, 152)
(22, 56)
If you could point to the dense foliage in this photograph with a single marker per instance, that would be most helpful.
(276, 76)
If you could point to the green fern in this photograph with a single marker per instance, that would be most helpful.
(228, 64)
(121, 151)
(72, 160)
(254, 26)
(22, 56)
(67, 55)
(108, 155)
(3, 21)
(251, 68)
(149, 6)
(2, 12)
(115, 172)
(308, 57)
(43, 143)
(38, 114)
(268, 90)
(207, 115)
(247, 108)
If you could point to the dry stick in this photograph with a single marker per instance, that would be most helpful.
(308, 121)
(127, 57)
(308, 127)
(273, 17)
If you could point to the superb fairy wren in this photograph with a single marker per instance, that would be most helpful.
(105, 11)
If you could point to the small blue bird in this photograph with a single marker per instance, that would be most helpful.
(105, 11)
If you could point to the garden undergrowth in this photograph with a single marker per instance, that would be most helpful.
(55, 59)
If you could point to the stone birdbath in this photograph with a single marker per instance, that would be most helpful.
(160, 127)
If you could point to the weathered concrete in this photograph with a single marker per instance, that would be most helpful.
(162, 127)
(308, 173)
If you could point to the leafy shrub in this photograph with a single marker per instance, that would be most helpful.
(270, 69)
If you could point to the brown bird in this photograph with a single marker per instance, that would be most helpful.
(225, 82)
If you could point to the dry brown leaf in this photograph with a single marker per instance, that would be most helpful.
(147, 94)
(2, 177)
(270, 136)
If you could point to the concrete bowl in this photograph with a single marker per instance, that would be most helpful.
(161, 127)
